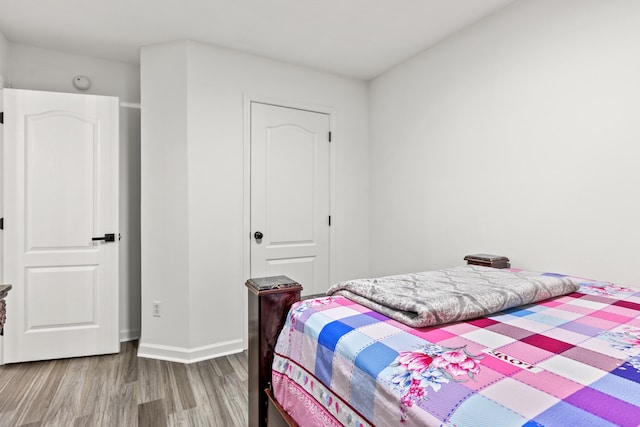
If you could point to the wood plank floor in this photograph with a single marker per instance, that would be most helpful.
(123, 390)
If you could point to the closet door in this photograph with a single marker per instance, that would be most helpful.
(60, 192)
(290, 195)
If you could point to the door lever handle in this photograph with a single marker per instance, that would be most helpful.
(107, 238)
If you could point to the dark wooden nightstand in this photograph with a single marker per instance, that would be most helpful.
(487, 260)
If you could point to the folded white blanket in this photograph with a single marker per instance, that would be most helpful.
(450, 295)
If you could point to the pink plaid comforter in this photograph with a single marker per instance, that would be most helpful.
(568, 361)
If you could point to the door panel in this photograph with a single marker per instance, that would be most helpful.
(302, 269)
(72, 290)
(60, 154)
(60, 191)
(289, 176)
(290, 195)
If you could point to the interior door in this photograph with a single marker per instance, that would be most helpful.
(60, 187)
(290, 195)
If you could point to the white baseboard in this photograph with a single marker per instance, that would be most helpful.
(129, 335)
(189, 355)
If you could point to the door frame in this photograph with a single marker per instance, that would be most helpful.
(248, 98)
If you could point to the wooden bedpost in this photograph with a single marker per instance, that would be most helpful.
(269, 301)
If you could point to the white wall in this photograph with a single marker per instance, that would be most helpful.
(44, 69)
(193, 235)
(164, 201)
(4, 59)
(518, 136)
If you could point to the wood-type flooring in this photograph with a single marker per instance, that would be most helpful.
(122, 390)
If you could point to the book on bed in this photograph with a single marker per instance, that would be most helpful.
(270, 283)
(488, 260)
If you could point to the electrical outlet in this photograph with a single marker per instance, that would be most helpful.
(156, 309)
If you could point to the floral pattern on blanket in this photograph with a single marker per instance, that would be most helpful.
(632, 362)
(300, 307)
(628, 341)
(604, 289)
(430, 366)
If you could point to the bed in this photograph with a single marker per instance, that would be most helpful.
(572, 359)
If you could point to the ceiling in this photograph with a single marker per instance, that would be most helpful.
(358, 38)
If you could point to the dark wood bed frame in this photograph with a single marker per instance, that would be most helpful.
(269, 302)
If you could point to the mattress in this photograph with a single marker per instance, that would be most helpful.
(569, 360)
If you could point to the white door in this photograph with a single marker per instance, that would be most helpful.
(290, 195)
(60, 187)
